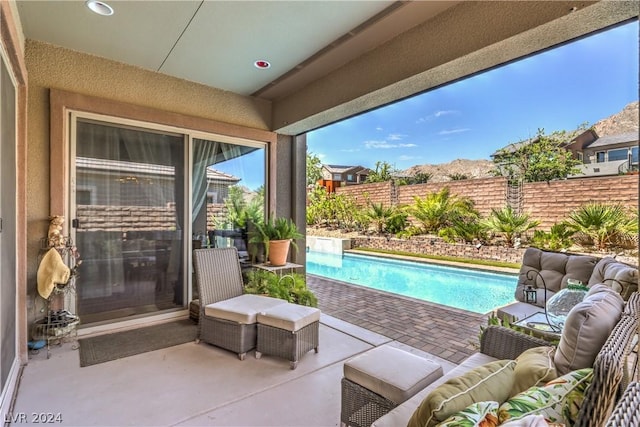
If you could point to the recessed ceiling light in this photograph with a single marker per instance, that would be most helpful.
(99, 7)
(262, 64)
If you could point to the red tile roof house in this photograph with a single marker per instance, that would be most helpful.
(178, 80)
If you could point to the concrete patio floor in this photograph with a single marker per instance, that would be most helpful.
(197, 385)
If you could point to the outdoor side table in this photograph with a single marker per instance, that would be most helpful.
(289, 331)
(380, 379)
(538, 326)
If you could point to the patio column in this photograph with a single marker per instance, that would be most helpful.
(287, 184)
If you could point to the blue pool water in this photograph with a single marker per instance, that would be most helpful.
(471, 290)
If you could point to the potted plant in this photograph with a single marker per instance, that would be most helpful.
(277, 235)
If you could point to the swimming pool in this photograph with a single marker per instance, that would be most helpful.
(466, 289)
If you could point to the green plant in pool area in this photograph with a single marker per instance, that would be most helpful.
(469, 230)
(604, 225)
(558, 237)
(289, 287)
(509, 223)
(275, 229)
(437, 210)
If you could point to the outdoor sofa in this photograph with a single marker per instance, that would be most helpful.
(548, 272)
(613, 367)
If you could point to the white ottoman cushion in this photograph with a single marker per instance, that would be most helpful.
(242, 309)
(391, 372)
(290, 317)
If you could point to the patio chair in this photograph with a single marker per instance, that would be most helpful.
(227, 316)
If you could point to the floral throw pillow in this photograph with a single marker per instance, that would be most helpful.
(484, 414)
(558, 401)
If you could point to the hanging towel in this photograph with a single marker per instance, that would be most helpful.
(52, 270)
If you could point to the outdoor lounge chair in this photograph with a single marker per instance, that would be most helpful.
(227, 317)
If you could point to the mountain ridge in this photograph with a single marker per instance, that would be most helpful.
(624, 121)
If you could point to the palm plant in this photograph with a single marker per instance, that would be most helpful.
(379, 215)
(437, 210)
(603, 224)
(467, 229)
(509, 223)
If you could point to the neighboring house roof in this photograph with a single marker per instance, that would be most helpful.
(607, 140)
(343, 169)
(513, 147)
(602, 141)
(146, 168)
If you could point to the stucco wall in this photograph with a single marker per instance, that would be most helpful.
(49, 66)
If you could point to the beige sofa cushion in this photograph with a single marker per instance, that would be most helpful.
(554, 268)
(534, 366)
(620, 277)
(492, 381)
(587, 327)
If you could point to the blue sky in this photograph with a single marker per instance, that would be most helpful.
(584, 81)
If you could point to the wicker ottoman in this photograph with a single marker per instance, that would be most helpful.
(380, 379)
(288, 331)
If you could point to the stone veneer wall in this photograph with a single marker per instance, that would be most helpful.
(546, 202)
(434, 246)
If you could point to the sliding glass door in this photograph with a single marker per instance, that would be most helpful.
(137, 214)
(228, 193)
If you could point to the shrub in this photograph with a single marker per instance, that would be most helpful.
(289, 287)
(559, 237)
(604, 225)
(509, 223)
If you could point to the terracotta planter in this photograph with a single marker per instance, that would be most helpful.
(278, 251)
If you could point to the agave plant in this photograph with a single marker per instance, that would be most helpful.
(509, 223)
(605, 225)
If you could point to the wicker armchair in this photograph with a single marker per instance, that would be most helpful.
(227, 317)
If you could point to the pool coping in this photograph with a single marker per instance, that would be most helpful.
(489, 268)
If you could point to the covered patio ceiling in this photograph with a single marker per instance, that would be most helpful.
(329, 60)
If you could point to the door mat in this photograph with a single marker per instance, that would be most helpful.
(114, 346)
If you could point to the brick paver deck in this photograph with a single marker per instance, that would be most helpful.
(449, 333)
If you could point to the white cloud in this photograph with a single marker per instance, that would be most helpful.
(396, 136)
(386, 144)
(444, 113)
(379, 128)
(405, 157)
(321, 155)
(437, 114)
(452, 131)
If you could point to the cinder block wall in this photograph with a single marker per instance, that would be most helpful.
(547, 202)
(487, 193)
(377, 192)
(552, 202)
